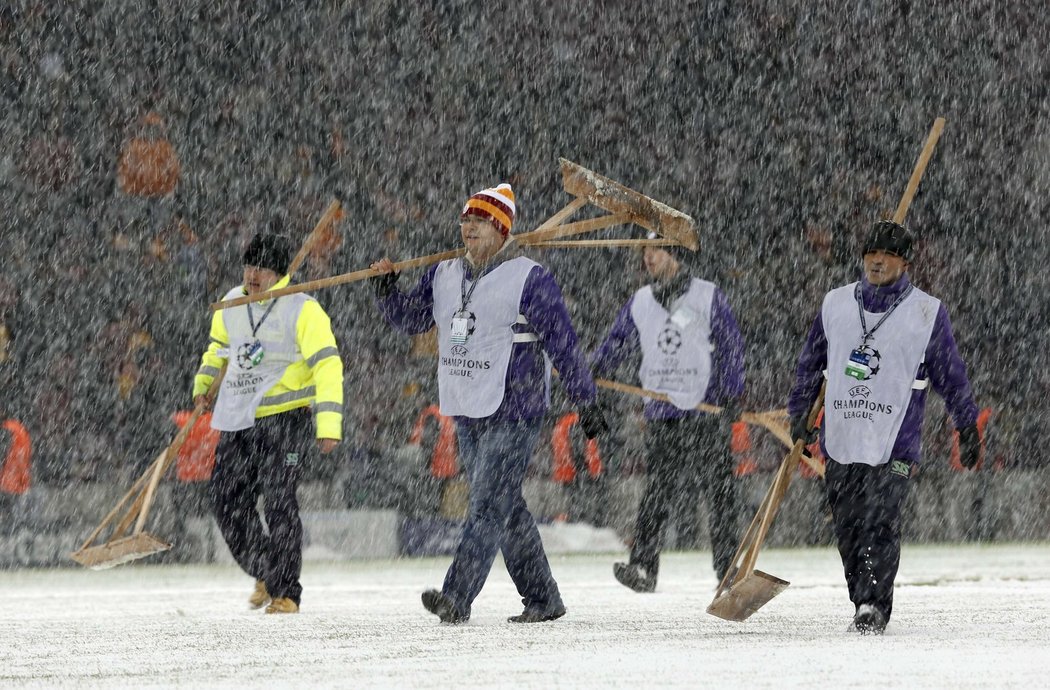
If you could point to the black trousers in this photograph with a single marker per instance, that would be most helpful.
(676, 448)
(866, 507)
(266, 459)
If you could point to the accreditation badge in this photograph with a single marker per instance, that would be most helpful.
(462, 327)
(682, 317)
(859, 364)
(255, 353)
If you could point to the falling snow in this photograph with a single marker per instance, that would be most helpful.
(143, 144)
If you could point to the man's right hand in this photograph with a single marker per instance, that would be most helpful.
(800, 430)
(383, 284)
(201, 401)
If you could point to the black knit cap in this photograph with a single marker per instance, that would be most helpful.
(267, 251)
(890, 237)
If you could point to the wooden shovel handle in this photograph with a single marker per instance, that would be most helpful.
(736, 572)
(747, 552)
(920, 169)
(332, 281)
(135, 488)
(652, 395)
(603, 244)
(140, 485)
(568, 230)
(172, 450)
(766, 419)
(781, 483)
(756, 418)
(564, 214)
(545, 232)
(333, 213)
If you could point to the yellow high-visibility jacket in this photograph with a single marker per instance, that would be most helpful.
(316, 379)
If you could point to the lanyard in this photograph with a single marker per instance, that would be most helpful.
(860, 311)
(464, 293)
(251, 319)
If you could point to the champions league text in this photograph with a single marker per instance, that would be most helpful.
(861, 409)
(460, 366)
(244, 381)
(671, 372)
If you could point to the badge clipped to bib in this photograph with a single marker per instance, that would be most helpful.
(461, 327)
(682, 317)
(859, 364)
(255, 353)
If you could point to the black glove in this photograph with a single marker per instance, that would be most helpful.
(592, 421)
(384, 284)
(800, 430)
(969, 446)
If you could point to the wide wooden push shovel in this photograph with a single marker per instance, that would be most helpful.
(120, 547)
(745, 590)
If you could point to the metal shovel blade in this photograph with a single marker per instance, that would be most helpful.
(119, 551)
(747, 596)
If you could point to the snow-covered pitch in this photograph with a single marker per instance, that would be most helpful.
(965, 617)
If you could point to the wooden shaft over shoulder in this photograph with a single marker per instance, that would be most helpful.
(920, 169)
(333, 213)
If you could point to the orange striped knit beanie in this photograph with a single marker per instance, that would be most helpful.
(495, 204)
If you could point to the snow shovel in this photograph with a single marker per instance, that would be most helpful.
(745, 590)
(118, 549)
(624, 206)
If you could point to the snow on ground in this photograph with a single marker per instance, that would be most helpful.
(965, 617)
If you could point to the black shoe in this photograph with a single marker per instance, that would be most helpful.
(869, 620)
(634, 576)
(528, 616)
(442, 607)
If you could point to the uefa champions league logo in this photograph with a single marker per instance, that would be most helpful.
(859, 391)
(248, 355)
(669, 340)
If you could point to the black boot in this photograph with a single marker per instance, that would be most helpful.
(528, 616)
(634, 576)
(869, 620)
(442, 607)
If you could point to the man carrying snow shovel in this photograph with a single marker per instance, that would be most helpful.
(499, 316)
(283, 364)
(692, 351)
(882, 342)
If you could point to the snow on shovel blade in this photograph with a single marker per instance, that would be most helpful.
(747, 596)
(119, 551)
